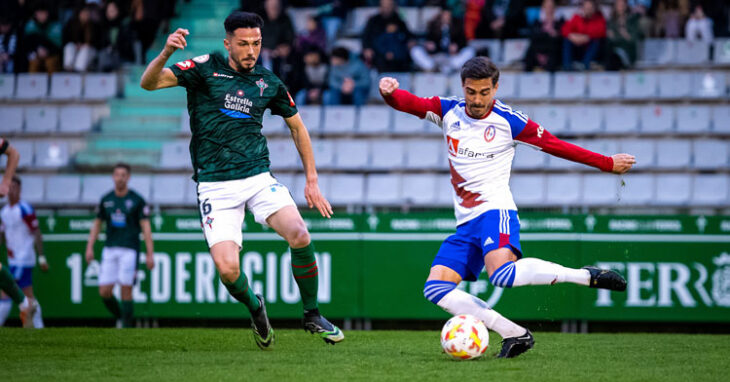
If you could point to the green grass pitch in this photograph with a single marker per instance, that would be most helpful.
(84, 354)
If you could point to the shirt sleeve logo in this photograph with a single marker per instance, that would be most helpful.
(201, 59)
(185, 65)
(262, 86)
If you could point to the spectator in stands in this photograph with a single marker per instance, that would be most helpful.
(315, 79)
(8, 45)
(278, 30)
(288, 65)
(386, 40)
(583, 34)
(445, 47)
(501, 19)
(545, 40)
(82, 40)
(669, 16)
(623, 36)
(699, 26)
(349, 79)
(313, 38)
(43, 41)
(641, 9)
(472, 17)
(146, 18)
(117, 39)
(333, 14)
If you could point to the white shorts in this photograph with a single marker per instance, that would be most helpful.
(223, 204)
(118, 266)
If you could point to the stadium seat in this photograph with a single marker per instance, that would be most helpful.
(185, 122)
(33, 188)
(721, 119)
(643, 149)
(605, 147)
(283, 154)
(12, 117)
(383, 189)
(273, 124)
(585, 119)
(41, 119)
(690, 52)
(419, 189)
(66, 86)
(507, 86)
(534, 86)
(659, 51)
(709, 85)
(514, 50)
(63, 189)
(311, 116)
(693, 119)
(387, 154)
(191, 192)
(75, 119)
(710, 190)
(563, 189)
(351, 154)
(570, 85)
(424, 154)
(528, 158)
(346, 189)
(324, 153)
(493, 45)
(339, 119)
(141, 184)
(673, 153)
(354, 45)
(710, 154)
(31, 86)
(600, 189)
(98, 86)
(721, 51)
(674, 85)
(93, 187)
(358, 18)
(528, 189)
(621, 119)
(430, 84)
(657, 119)
(175, 155)
(636, 190)
(554, 118)
(299, 17)
(409, 124)
(25, 149)
(51, 154)
(168, 189)
(412, 18)
(640, 85)
(375, 119)
(444, 191)
(605, 85)
(673, 189)
(7, 86)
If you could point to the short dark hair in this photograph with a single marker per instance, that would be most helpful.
(239, 19)
(16, 180)
(478, 68)
(341, 52)
(124, 166)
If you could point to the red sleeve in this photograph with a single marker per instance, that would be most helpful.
(402, 100)
(30, 220)
(569, 26)
(536, 135)
(596, 28)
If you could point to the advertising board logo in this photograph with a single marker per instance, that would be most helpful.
(721, 280)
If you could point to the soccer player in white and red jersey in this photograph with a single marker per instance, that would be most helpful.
(480, 134)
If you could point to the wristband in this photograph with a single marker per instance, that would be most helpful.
(42, 260)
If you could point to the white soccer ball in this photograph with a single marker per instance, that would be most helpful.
(464, 337)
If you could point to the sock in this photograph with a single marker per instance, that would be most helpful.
(37, 318)
(240, 291)
(127, 313)
(112, 305)
(532, 271)
(10, 287)
(304, 268)
(5, 305)
(459, 302)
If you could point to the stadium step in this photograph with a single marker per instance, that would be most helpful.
(134, 108)
(149, 124)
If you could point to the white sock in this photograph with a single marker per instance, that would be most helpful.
(533, 271)
(37, 318)
(5, 306)
(459, 302)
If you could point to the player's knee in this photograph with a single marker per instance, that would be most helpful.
(105, 293)
(229, 271)
(435, 290)
(299, 238)
(503, 276)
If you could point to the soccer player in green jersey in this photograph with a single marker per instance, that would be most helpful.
(126, 214)
(227, 97)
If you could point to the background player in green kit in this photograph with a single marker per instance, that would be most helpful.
(227, 97)
(125, 214)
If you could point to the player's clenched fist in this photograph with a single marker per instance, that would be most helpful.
(388, 85)
(176, 41)
(623, 163)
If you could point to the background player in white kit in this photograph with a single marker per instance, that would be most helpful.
(24, 241)
(480, 134)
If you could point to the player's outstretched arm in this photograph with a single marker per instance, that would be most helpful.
(156, 75)
(13, 159)
(312, 194)
(93, 234)
(404, 101)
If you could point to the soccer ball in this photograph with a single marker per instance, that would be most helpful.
(464, 337)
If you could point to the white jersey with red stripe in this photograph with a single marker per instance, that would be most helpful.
(19, 224)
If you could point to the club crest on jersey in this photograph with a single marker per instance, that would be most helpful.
(201, 59)
(262, 86)
(129, 203)
(185, 65)
(490, 133)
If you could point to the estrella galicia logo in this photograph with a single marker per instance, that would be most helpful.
(236, 106)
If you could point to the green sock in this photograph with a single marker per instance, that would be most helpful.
(10, 287)
(240, 291)
(304, 268)
(112, 305)
(127, 313)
